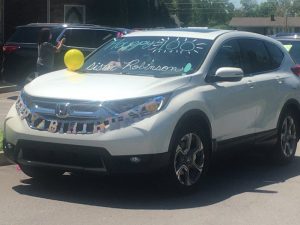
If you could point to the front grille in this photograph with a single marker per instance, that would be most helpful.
(87, 110)
(72, 117)
(59, 154)
(79, 117)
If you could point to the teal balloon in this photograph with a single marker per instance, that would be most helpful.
(187, 68)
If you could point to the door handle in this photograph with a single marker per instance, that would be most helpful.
(250, 83)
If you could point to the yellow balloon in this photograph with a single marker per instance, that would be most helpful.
(74, 59)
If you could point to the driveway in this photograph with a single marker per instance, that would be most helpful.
(245, 189)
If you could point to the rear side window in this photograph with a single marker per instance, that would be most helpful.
(293, 48)
(87, 38)
(30, 34)
(255, 57)
(25, 35)
(276, 55)
(227, 56)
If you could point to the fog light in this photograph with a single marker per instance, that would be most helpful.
(135, 159)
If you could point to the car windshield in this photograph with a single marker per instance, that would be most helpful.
(149, 56)
(293, 47)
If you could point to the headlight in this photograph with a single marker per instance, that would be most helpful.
(22, 105)
(139, 107)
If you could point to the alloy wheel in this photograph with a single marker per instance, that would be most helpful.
(288, 136)
(189, 159)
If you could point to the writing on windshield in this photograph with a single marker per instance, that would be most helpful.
(160, 56)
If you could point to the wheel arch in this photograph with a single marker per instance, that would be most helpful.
(293, 105)
(190, 116)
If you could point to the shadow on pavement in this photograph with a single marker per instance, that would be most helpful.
(231, 175)
(15, 97)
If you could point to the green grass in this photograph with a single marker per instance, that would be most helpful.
(1, 138)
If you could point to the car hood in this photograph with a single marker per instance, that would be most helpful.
(65, 84)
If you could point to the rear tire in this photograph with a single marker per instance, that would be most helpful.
(287, 137)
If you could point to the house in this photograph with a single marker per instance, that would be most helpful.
(266, 25)
(119, 13)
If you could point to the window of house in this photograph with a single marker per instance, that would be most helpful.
(74, 14)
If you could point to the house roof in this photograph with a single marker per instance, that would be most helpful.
(264, 22)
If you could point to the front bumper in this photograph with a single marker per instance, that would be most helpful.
(81, 158)
(149, 136)
(140, 147)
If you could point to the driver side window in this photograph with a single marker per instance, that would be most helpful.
(227, 56)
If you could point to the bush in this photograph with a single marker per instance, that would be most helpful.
(1, 139)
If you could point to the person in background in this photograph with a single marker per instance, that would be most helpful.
(46, 51)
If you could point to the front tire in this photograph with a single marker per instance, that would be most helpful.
(190, 156)
(287, 137)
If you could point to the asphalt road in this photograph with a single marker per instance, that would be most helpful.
(244, 188)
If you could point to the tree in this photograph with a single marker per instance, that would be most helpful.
(290, 7)
(270, 7)
(202, 13)
(212, 12)
(267, 8)
(222, 12)
(249, 7)
(171, 5)
(185, 10)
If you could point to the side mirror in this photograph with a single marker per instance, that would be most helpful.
(228, 74)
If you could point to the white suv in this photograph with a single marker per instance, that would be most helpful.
(152, 100)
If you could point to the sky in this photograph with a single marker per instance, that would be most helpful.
(237, 2)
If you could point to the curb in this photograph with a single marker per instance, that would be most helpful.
(3, 161)
(9, 88)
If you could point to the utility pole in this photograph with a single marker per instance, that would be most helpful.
(123, 5)
(287, 14)
(48, 11)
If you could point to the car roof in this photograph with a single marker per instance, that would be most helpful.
(288, 38)
(72, 25)
(194, 32)
(197, 32)
(285, 34)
